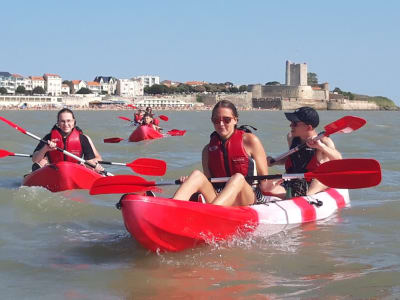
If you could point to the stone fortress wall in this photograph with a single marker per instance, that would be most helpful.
(296, 93)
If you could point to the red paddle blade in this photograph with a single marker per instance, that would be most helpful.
(346, 124)
(353, 173)
(113, 140)
(121, 184)
(149, 166)
(13, 125)
(132, 106)
(163, 117)
(176, 132)
(124, 118)
(4, 153)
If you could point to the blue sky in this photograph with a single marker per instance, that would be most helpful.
(353, 45)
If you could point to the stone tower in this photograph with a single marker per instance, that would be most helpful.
(296, 74)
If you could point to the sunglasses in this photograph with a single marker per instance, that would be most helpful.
(226, 120)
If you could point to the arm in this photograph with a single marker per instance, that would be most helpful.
(255, 149)
(90, 153)
(204, 161)
(97, 155)
(326, 149)
(42, 148)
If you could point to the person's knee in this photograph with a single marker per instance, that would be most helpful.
(238, 178)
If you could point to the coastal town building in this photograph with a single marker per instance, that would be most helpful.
(94, 87)
(129, 87)
(108, 84)
(76, 85)
(148, 80)
(170, 102)
(37, 81)
(53, 84)
(65, 90)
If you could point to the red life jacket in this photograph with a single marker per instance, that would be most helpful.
(156, 121)
(302, 161)
(72, 145)
(137, 117)
(226, 159)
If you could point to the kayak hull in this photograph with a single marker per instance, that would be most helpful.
(162, 224)
(144, 133)
(62, 176)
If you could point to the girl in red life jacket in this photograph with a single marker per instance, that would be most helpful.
(67, 136)
(229, 153)
(148, 121)
(304, 120)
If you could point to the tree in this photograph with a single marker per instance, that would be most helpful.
(3, 91)
(84, 91)
(337, 90)
(38, 90)
(312, 79)
(273, 83)
(20, 90)
(243, 88)
(199, 88)
(233, 89)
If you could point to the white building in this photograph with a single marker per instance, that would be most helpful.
(53, 84)
(148, 80)
(94, 86)
(77, 85)
(129, 88)
(65, 90)
(158, 102)
(37, 81)
(30, 101)
(108, 84)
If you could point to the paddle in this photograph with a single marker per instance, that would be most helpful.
(4, 153)
(15, 126)
(144, 166)
(125, 118)
(172, 132)
(345, 173)
(346, 124)
(164, 118)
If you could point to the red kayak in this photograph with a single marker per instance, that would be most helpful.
(62, 176)
(144, 133)
(161, 224)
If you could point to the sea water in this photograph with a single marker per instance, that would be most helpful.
(71, 245)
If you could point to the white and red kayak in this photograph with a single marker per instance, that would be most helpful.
(162, 224)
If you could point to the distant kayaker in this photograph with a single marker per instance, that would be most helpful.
(231, 152)
(155, 120)
(138, 116)
(148, 121)
(65, 135)
(304, 120)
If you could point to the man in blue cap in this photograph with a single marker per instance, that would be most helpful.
(303, 122)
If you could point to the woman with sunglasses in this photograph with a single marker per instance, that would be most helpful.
(304, 120)
(232, 153)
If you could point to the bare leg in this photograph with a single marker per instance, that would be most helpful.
(196, 182)
(316, 187)
(237, 192)
(273, 188)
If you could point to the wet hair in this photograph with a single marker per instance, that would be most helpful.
(226, 104)
(147, 115)
(65, 110)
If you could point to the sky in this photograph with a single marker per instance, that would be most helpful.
(353, 45)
